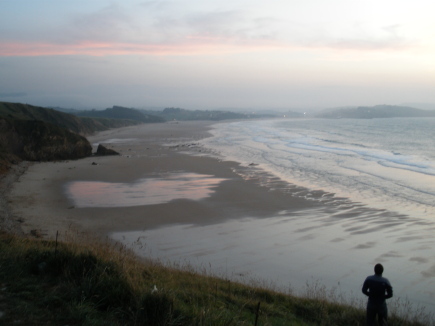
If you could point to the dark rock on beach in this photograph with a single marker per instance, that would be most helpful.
(104, 151)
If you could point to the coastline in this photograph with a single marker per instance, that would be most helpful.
(37, 198)
(251, 224)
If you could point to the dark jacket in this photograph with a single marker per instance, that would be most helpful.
(378, 289)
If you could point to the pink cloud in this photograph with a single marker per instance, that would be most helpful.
(193, 46)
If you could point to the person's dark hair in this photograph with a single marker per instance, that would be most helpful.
(379, 269)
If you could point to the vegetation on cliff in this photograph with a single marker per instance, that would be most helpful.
(80, 125)
(91, 283)
(34, 140)
(38, 134)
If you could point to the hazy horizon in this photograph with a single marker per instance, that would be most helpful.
(213, 54)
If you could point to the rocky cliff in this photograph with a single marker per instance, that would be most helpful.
(35, 140)
(38, 134)
(80, 125)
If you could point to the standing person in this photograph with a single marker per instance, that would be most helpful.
(378, 289)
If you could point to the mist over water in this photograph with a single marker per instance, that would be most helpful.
(383, 163)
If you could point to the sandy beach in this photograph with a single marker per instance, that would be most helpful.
(38, 199)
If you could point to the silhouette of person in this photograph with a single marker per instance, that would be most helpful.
(378, 289)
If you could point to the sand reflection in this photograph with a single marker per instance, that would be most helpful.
(148, 191)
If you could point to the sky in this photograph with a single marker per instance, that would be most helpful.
(210, 54)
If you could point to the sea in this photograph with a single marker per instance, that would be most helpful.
(374, 181)
(385, 163)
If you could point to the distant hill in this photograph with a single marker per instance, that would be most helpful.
(423, 106)
(378, 111)
(170, 114)
(167, 114)
(119, 112)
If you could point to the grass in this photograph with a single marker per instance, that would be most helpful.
(94, 283)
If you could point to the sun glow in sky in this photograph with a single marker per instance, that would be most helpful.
(217, 54)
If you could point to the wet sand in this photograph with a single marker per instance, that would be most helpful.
(39, 198)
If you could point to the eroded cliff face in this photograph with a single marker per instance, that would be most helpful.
(34, 140)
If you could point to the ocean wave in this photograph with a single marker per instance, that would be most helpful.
(389, 166)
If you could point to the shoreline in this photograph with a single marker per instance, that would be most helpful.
(37, 198)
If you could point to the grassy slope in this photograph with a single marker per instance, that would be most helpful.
(44, 283)
(79, 125)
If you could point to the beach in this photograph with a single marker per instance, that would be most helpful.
(38, 198)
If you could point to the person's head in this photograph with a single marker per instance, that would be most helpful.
(379, 269)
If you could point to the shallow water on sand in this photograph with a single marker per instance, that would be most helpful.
(148, 191)
(311, 246)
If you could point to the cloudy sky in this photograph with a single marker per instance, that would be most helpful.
(205, 54)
